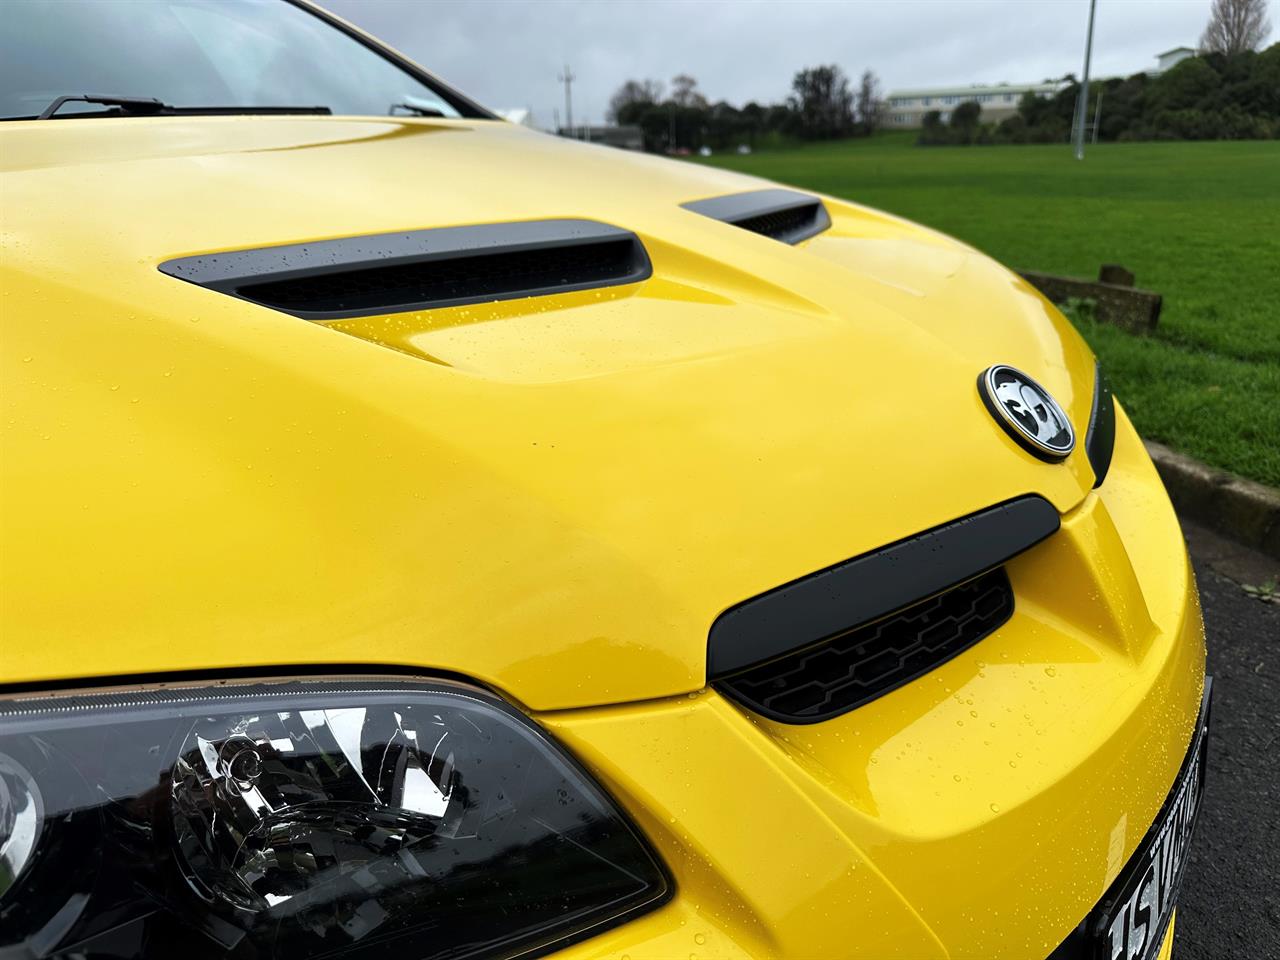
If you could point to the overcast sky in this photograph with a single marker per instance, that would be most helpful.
(508, 53)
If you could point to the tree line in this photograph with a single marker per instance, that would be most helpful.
(823, 105)
(1212, 96)
(1227, 91)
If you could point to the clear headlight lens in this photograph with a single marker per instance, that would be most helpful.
(20, 819)
(291, 819)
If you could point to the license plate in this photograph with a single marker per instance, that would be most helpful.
(1130, 921)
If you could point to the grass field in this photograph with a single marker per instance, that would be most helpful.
(1198, 222)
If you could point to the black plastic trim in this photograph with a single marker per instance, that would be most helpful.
(736, 208)
(1100, 438)
(849, 594)
(994, 582)
(250, 274)
(213, 676)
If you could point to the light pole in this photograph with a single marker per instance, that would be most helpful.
(1082, 104)
(567, 79)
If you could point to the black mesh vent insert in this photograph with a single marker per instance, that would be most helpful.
(488, 275)
(784, 215)
(832, 677)
(784, 224)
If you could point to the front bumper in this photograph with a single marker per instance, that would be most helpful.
(1134, 918)
(981, 811)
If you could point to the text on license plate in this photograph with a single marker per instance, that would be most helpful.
(1140, 916)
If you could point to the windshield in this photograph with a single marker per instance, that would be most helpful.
(200, 53)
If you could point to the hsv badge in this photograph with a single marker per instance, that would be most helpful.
(1027, 412)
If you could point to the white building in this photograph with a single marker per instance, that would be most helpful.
(1171, 58)
(906, 108)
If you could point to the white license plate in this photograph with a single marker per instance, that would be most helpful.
(1131, 921)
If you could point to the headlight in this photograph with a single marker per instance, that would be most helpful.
(327, 818)
(1100, 440)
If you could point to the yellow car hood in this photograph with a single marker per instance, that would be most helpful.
(555, 496)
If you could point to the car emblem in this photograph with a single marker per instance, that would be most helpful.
(1027, 412)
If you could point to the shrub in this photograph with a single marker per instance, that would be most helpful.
(1209, 97)
(1012, 130)
(932, 132)
(1080, 310)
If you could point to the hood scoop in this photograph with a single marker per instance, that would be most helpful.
(422, 269)
(784, 215)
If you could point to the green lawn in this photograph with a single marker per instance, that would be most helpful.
(1198, 222)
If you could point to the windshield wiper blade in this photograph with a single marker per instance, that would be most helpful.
(151, 107)
(415, 109)
(136, 105)
(246, 111)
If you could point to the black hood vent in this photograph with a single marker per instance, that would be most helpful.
(423, 269)
(783, 215)
(824, 681)
(831, 641)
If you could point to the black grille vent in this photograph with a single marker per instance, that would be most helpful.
(797, 221)
(460, 279)
(783, 215)
(846, 671)
(424, 269)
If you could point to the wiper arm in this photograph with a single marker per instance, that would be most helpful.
(246, 111)
(150, 107)
(136, 105)
(415, 110)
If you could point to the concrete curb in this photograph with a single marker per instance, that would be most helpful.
(1245, 511)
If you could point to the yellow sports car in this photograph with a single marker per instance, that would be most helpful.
(424, 537)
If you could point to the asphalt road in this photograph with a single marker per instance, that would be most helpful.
(1230, 902)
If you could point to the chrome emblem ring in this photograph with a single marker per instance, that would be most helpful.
(1027, 412)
